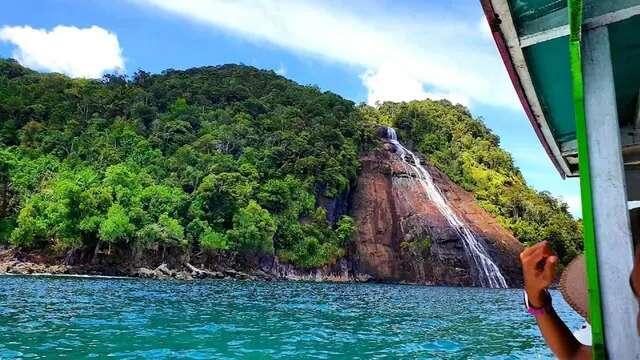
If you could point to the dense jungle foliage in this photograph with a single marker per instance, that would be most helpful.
(470, 154)
(224, 159)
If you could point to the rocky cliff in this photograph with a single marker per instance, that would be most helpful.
(403, 237)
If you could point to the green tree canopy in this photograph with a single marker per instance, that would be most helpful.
(226, 158)
(253, 229)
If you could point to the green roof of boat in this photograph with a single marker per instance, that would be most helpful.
(533, 39)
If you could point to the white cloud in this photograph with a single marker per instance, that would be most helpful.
(86, 52)
(393, 84)
(484, 28)
(281, 70)
(575, 204)
(403, 56)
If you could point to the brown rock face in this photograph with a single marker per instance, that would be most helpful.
(403, 237)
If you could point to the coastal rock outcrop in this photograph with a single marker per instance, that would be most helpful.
(403, 237)
(341, 271)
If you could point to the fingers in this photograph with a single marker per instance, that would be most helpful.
(536, 253)
(531, 254)
(538, 266)
(546, 249)
(549, 268)
(532, 249)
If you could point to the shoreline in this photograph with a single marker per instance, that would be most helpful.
(80, 276)
(246, 277)
(185, 271)
(110, 277)
(341, 272)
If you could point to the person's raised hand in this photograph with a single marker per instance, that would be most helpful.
(538, 267)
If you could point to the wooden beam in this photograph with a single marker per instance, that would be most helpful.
(555, 32)
(611, 218)
(508, 30)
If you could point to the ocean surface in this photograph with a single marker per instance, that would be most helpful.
(79, 318)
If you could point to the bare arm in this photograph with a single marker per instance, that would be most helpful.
(538, 266)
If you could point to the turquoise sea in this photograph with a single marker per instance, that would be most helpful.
(79, 318)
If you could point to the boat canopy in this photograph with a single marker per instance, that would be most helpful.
(575, 65)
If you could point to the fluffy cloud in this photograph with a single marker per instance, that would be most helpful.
(575, 204)
(281, 70)
(394, 84)
(87, 52)
(484, 28)
(403, 56)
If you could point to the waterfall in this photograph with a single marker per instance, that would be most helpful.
(487, 272)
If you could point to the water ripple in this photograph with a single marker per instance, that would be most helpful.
(147, 319)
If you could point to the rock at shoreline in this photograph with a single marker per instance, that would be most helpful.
(144, 273)
(267, 269)
(26, 268)
(203, 274)
(163, 270)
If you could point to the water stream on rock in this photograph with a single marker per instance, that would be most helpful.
(487, 272)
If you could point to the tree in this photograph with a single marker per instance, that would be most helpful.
(219, 196)
(165, 233)
(55, 215)
(253, 229)
(345, 228)
(31, 229)
(156, 200)
(214, 240)
(7, 164)
(116, 227)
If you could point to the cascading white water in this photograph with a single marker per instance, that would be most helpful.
(487, 272)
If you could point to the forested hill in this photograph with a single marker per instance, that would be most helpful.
(226, 159)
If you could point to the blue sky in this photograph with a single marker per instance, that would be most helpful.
(365, 51)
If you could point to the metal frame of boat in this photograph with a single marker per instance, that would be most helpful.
(575, 65)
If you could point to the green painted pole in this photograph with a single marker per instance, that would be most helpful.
(591, 256)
